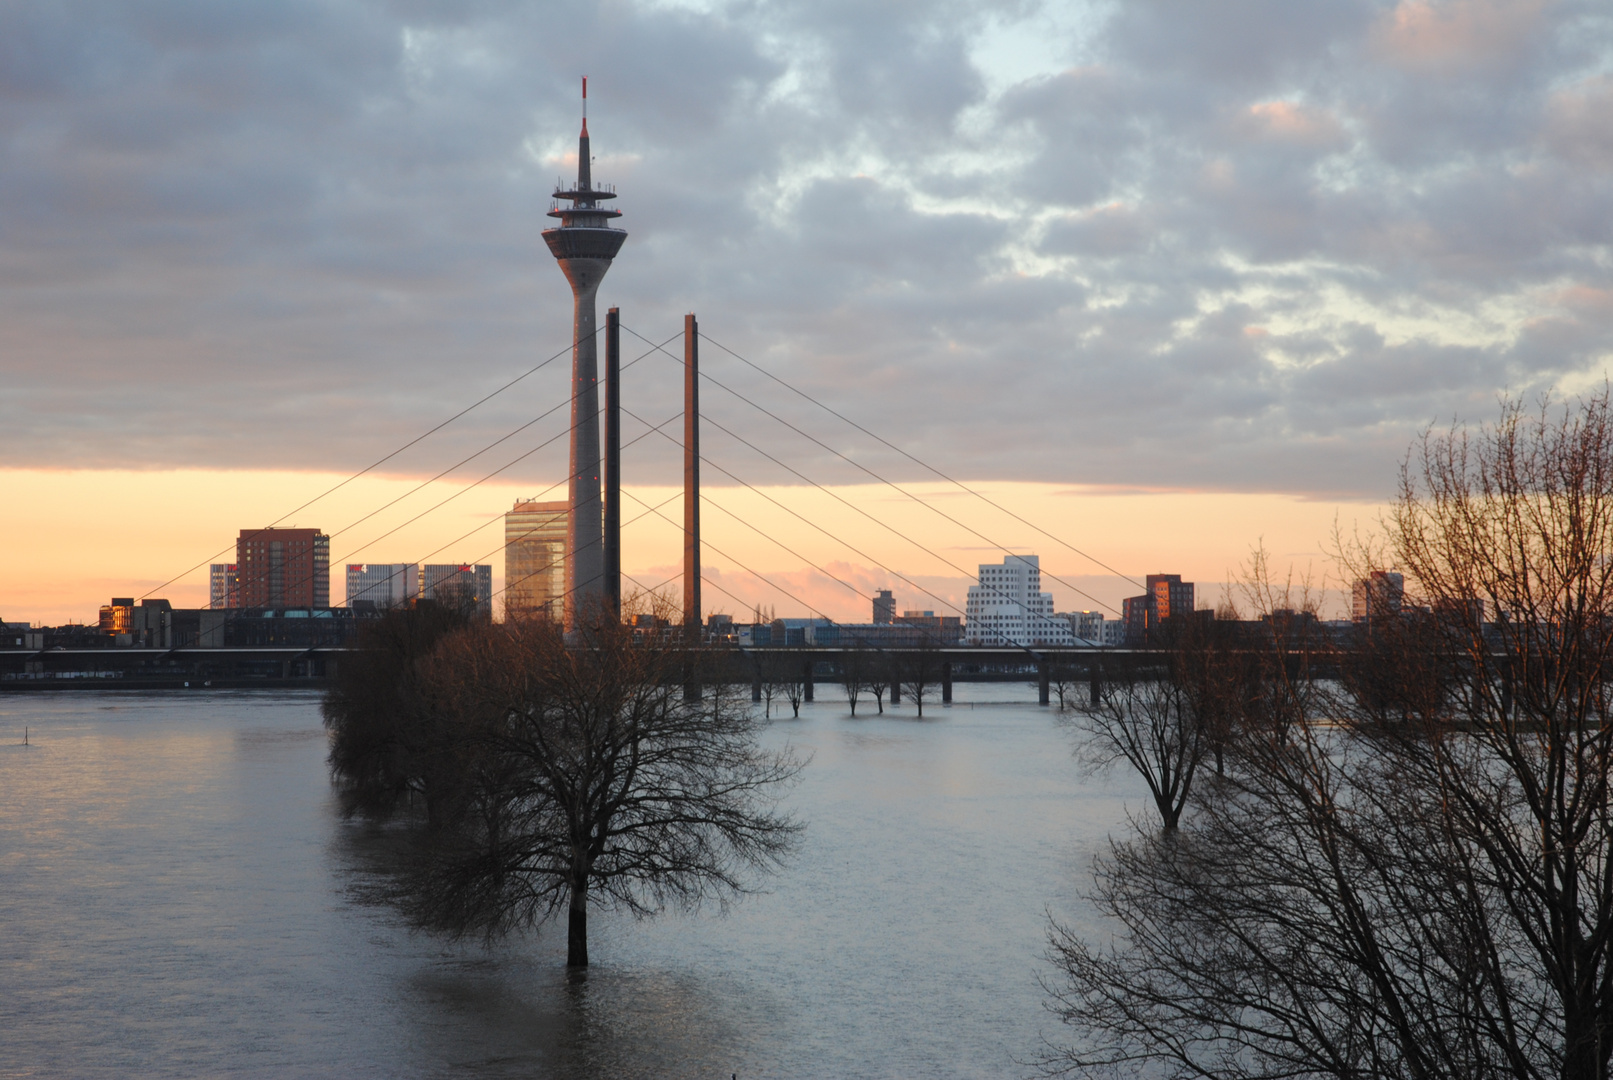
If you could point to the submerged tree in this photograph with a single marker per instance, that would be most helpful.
(1413, 876)
(389, 745)
(919, 671)
(1161, 712)
(585, 778)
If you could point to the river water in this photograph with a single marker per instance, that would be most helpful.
(178, 889)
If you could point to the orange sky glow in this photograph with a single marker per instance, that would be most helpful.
(75, 538)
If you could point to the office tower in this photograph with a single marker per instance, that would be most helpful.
(224, 586)
(584, 244)
(1378, 594)
(1167, 595)
(1008, 607)
(283, 568)
(884, 607)
(459, 585)
(535, 559)
(384, 585)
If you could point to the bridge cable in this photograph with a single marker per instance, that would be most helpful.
(923, 464)
(876, 476)
(832, 536)
(368, 468)
(375, 540)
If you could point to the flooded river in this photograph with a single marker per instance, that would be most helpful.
(178, 894)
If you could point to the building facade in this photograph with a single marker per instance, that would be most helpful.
(1167, 595)
(459, 585)
(935, 629)
(224, 586)
(535, 559)
(1008, 606)
(283, 568)
(1380, 593)
(1087, 626)
(383, 585)
(884, 607)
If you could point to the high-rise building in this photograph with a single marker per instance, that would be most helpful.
(224, 586)
(1379, 594)
(584, 244)
(884, 607)
(283, 568)
(1008, 607)
(535, 559)
(383, 584)
(459, 585)
(1167, 595)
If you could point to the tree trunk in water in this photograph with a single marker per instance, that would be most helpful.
(577, 929)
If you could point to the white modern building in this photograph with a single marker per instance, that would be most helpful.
(382, 584)
(1008, 607)
(1087, 626)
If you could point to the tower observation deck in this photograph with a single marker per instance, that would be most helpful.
(584, 244)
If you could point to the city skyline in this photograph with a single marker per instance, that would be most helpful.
(1231, 260)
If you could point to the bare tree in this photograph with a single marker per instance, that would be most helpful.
(791, 673)
(852, 667)
(587, 779)
(388, 747)
(879, 678)
(920, 672)
(1144, 718)
(1411, 876)
(1068, 683)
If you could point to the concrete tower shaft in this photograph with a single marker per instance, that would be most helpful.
(584, 244)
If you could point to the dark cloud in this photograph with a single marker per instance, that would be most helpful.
(1249, 245)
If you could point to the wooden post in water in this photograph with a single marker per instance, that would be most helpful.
(946, 683)
(1044, 693)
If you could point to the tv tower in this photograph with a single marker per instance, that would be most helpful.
(584, 244)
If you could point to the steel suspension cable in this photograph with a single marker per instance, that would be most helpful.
(370, 467)
(923, 464)
(895, 487)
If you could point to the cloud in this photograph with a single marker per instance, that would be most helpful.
(1244, 246)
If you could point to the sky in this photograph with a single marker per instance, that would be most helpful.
(1168, 280)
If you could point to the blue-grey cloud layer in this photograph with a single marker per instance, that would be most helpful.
(1248, 245)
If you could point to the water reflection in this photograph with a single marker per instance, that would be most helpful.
(183, 897)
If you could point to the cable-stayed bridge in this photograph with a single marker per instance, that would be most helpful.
(584, 243)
